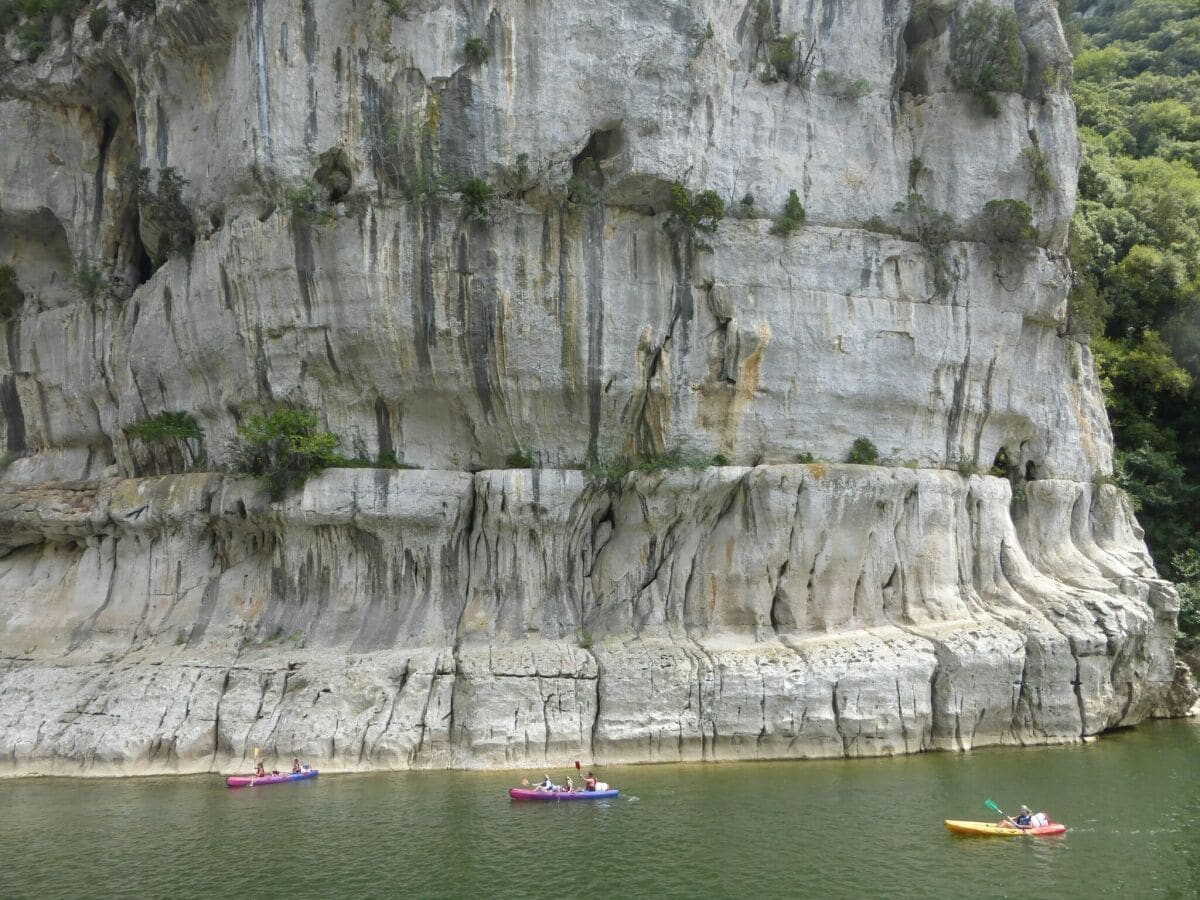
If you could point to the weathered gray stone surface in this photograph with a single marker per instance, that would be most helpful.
(440, 618)
(469, 616)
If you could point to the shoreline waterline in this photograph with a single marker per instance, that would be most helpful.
(332, 767)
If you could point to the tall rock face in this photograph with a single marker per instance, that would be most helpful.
(456, 230)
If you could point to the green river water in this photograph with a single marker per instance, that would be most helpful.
(864, 828)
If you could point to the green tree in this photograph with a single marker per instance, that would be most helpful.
(986, 55)
(1135, 245)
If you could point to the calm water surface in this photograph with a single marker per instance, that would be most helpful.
(868, 828)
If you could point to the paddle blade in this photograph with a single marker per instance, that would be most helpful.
(993, 807)
(256, 753)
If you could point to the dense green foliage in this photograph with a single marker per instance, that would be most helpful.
(863, 452)
(478, 198)
(31, 21)
(1008, 222)
(476, 51)
(284, 448)
(792, 217)
(987, 55)
(703, 212)
(167, 427)
(173, 430)
(1135, 242)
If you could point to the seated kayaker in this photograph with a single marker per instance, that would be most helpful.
(589, 783)
(259, 770)
(1025, 818)
(546, 786)
(295, 765)
(570, 788)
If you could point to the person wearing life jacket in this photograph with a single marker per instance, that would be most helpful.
(570, 786)
(546, 786)
(1025, 818)
(589, 783)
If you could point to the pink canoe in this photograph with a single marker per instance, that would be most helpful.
(522, 794)
(238, 781)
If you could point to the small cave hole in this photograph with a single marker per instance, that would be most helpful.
(1031, 471)
(1001, 465)
(143, 264)
(603, 144)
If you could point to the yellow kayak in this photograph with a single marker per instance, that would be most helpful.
(991, 829)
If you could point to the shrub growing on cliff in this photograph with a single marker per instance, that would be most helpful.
(932, 230)
(171, 430)
(613, 471)
(863, 452)
(98, 22)
(89, 280)
(987, 54)
(702, 212)
(12, 298)
(478, 197)
(792, 217)
(33, 36)
(309, 204)
(283, 449)
(476, 51)
(401, 9)
(165, 212)
(1038, 162)
(519, 459)
(1008, 222)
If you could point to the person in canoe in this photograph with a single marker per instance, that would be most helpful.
(570, 788)
(589, 783)
(259, 770)
(1024, 819)
(295, 765)
(546, 786)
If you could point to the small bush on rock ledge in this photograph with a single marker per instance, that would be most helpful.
(792, 218)
(476, 51)
(519, 459)
(703, 212)
(176, 431)
(614, 471)
(863, 452)
(283, 449)
(1008, 222)
(478, 197)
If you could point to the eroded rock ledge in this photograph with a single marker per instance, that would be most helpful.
(395, 619)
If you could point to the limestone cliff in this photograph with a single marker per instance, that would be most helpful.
(327, 250)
